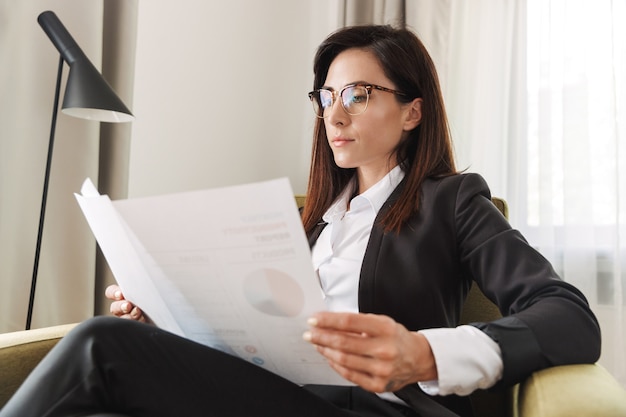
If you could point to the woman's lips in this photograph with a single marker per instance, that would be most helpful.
(339, 142)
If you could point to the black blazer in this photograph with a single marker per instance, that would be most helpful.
(421, 277)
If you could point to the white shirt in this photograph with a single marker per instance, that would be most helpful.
(337, 257)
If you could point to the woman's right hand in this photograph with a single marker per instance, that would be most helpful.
(122, 307)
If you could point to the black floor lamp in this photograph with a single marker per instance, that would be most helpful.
(87, 95)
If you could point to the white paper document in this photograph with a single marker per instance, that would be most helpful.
(228, 267)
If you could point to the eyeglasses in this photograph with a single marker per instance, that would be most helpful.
(354, 98)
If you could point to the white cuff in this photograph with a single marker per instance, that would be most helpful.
(466, 358)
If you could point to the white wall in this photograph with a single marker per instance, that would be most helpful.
(221, 92)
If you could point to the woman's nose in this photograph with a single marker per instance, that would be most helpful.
(336, 113)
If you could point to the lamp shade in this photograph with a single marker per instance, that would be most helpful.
(87, 94)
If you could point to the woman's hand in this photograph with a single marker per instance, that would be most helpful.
(373, 351)
(121, 307)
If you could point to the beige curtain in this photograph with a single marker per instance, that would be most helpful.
(65, 284)
(118, 67)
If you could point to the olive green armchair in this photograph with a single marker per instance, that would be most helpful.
(563, 391)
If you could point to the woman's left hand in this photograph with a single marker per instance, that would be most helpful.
(372, 351)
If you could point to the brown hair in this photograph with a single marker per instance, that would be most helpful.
(427, 149)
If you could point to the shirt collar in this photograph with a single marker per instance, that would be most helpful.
(374, 197)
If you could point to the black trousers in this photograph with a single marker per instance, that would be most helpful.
(112, 365)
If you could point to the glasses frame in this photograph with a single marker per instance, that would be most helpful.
(334, 94)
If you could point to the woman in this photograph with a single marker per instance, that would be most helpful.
(397, 237)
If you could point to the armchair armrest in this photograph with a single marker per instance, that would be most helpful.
(572, 390)
(21, 351)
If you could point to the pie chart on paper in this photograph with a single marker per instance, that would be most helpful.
(274, 293)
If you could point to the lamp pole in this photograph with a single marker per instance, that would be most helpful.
(44, 198)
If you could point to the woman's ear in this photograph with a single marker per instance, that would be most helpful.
(413, 115)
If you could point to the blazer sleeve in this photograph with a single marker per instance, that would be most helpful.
(547, 322)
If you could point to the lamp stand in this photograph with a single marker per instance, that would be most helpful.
(44, 197)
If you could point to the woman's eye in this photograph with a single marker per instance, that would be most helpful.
(355, 95)
(358, 98)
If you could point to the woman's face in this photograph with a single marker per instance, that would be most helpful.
(366, 141)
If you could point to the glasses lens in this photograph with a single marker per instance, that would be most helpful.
(321, 99)
(354, 99)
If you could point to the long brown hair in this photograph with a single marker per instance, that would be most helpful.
(427, 149)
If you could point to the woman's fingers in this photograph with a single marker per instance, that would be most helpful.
(114, 292)
(373, 351)
(122, 308)
(127, 310)
(370, 324)
(360, 334)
